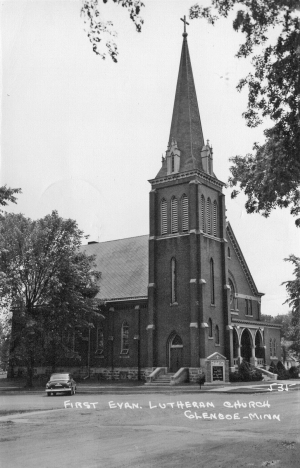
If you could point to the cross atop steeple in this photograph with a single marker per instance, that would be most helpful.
(185, 23)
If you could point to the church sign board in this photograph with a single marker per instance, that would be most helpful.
(217, 369)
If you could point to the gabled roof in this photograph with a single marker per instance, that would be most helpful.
(123, 265)
(186, 128)
(242, 260)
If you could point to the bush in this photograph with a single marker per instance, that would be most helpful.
(235, 377)
(280, 367)
(273, 368)
(256, 375)
(201, 379)
(245, 371)
(293, 372)
(283, 374)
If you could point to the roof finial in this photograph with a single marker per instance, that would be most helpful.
(185, 23)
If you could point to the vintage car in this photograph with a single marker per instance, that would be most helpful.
(62, 382)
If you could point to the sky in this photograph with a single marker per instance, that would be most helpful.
(83, 136)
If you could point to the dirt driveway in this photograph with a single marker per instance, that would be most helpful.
(208, 430)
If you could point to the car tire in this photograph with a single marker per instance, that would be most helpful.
(48, 394)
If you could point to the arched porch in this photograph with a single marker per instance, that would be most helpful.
(248, 345)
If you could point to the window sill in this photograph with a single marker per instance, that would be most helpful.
(212, 305)
(124, 356)
(217, 344)
(210, 338)
(247, 315)
(234, 313)
(98, 356)
(173, 304)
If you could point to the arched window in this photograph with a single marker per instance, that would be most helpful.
(271, 347)
(163, 217)
(232, 298)
(208, 216)
(100, 340)
(125, 338)
(185, 212)
(173, 281)
(176, 342)
(202, 213)
(174, 215)
(215, 211)
(210, 329)
(274, 347)
(212, 282)
(228, 253)
(217, 335)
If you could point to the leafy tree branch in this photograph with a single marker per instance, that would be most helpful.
(270, 177)
(101, 33)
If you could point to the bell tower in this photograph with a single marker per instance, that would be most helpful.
(186, 245)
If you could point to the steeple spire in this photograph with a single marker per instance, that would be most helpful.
(186, 129)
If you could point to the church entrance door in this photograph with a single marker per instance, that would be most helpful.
(246, 342)
(175, 353)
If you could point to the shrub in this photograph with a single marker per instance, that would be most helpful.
(280, 366)
(201, 379)
(235, 377)
(256, 375)
(245, 371)
(282, 372)
(273, 368)
(293, 372)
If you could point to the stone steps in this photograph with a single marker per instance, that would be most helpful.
(162, 381)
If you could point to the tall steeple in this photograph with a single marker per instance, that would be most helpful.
(186, 129)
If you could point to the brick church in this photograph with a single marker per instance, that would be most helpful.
(184, 292)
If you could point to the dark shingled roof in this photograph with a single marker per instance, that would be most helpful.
(123, 265)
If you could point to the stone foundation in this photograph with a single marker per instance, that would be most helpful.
(194, 374)
(97, 373)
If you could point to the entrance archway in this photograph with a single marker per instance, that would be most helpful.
(259, 348)
(175, 352)
(235, 343)
(246, 345)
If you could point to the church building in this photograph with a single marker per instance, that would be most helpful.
(174, 297)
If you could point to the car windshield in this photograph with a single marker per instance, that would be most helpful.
(60, 377)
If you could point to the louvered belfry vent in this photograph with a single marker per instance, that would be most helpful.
(185, 213)
(174, 215)
(215, 208)
(164, 218)
(203, 213)
(208, 216)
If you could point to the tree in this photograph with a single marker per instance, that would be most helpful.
(8, 195)
(293, 290)
(269, 177)
(50, 284)
(99, 30)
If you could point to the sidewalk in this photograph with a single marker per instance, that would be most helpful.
(135, 387)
